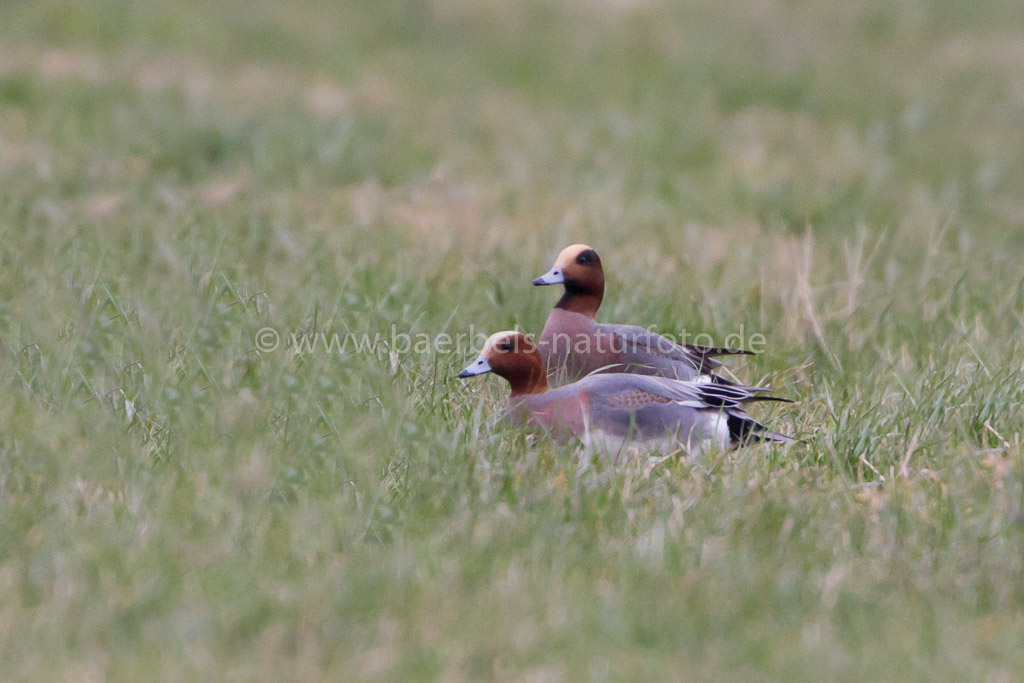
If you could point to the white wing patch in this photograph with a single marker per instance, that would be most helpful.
(699, 405)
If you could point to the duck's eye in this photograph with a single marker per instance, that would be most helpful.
(504, 347)
(587, 257)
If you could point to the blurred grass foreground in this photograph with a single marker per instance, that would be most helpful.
(178, 502)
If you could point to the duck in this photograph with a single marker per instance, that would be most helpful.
(611, 410)
(573, 344)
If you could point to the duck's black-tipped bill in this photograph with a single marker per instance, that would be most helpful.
(477, 367)
(552, 277)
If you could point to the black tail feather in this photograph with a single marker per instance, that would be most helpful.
(712, 351)
(726, 382)
(744, 429)
(734, 395)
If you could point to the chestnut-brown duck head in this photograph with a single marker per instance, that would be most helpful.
(578, 269)
(515, 357)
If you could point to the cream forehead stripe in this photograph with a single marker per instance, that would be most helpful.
(569, 254)
(495, 339)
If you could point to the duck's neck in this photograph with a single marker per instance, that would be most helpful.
(528, 380)
(579, 300)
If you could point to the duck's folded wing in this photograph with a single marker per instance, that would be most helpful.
(706, 396)
(652, 405)
(632, 399)
(642, 346)
(725, 399)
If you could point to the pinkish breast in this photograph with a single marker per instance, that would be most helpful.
(563, 418)
(572, 348)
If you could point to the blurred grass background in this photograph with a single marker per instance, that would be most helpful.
(844, 178)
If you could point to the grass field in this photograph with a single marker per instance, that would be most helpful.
(846, 179)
